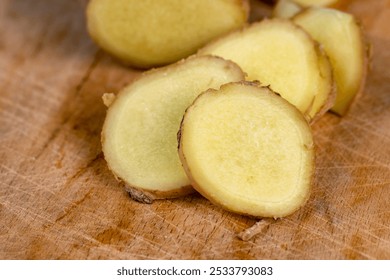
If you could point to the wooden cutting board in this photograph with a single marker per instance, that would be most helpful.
(59, 201)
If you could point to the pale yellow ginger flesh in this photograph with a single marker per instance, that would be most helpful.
(342, 38)
(286, 9)
(248, 150)
(280, 54)
(325, 98)
(154, 33)
(139, 135)
(289, 8)
(310, 3)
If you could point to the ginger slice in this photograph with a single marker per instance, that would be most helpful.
(325, 98)
(154, 33)
(248, 150)
(289, 8)
(322, 3)
(282, 55)
(286, 9)
(139, 136)
(341, 36)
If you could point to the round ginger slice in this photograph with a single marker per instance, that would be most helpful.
(334, 4)
(290, 8)
(145, 33)
(248, 150)
(286, 9)
(342, 38)
(282, 55)
(139, 136)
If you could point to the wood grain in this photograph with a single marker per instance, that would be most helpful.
(59, 201)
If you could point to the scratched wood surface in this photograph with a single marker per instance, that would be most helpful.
(59, 201)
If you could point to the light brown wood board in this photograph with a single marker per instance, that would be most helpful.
(59, 201)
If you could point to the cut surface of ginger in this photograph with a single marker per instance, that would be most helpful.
(326, 93)
(286, 9)
(290, 8)
(280, 54)
(139, 135)
(248, 150)
(310, 3)
(342, 39)
(154, 33)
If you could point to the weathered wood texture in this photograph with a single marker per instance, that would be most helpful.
(59, 201)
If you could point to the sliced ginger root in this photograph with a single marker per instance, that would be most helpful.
(280, 54)
(289, 8)
(326, 95)
(139, 136)
(286, 9)
(248, 150)
(342, 39)
(322, 3)
(154, 33)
